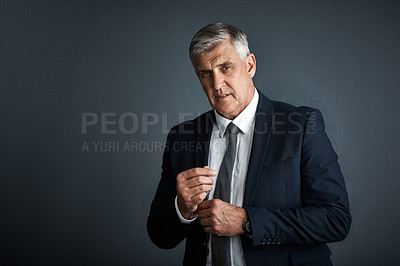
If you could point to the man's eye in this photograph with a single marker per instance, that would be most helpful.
(205, 74)
(225, 68)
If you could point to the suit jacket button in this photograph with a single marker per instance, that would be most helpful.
(263, 241)
(269, 241)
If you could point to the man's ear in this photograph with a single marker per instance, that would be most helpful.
(250, 61)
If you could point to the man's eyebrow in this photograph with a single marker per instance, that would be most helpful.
(202, 70)
(219, 65)
(224, 64)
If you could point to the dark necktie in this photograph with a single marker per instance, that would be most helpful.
(221, 245)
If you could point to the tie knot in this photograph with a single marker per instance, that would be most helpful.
(232, 128)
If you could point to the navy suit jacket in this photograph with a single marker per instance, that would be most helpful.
(295, 195)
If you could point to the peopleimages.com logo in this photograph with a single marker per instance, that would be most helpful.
(106, 124)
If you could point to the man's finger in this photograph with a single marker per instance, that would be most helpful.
(198, 171)
(206, 222)
(203, 213)
(199, 180)
(205, 205)
(200, 189)
(198, 198)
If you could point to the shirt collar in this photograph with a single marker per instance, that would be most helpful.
(243, 121)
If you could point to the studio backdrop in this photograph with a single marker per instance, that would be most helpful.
(89, 90)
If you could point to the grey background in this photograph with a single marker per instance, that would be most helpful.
(59, 59)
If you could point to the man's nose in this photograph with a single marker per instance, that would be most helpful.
(218, 80)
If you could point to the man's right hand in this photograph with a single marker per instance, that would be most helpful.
(192, 187)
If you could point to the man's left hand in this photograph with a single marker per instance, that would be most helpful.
(221, 218)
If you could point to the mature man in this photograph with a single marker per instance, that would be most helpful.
(252, 182)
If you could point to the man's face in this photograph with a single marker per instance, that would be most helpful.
(226, 78)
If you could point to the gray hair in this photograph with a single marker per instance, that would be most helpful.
(207, 38)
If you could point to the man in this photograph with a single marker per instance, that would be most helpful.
(252, 182)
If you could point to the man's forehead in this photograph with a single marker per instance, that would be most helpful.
(213, 59)
(217, 56)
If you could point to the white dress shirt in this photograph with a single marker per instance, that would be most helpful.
(219, 142)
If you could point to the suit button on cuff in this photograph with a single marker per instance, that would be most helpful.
(274, 241)
(279, 241)
(263, 241)
(269, 241)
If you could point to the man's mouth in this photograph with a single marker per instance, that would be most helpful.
(222, 96)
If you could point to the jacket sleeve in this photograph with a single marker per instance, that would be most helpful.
(163, 224)
(324, 214)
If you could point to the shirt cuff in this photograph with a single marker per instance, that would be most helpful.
(183, 220)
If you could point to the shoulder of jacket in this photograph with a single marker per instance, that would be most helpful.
(286, 108)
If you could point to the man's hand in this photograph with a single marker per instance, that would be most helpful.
(192, 187)
(221, 218)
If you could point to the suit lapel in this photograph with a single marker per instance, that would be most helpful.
(203, 135)
(262, 134)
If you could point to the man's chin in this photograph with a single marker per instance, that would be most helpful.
(226, 114)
